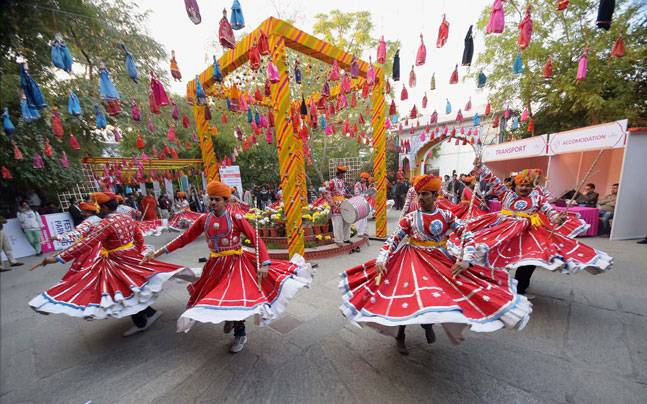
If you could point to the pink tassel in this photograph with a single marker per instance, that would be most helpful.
(38, 162)
(468, 106)
(117, 134)
(272, 72)
(135, 113)
(524, 115)
(424, 101)
(64, 160)
(496, 23)
(171, 134)
(74, 144)
(194, 136)
(459, 116)
(421, 56)
(582, 66)
(334, 72)
(525, 30)
(370, 74)
(381, 51)
(412, 78)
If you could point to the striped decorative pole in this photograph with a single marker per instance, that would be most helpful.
(291, 167)
(379, 152)
(206, 145)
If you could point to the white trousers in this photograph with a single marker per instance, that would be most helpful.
(340, 229)
(361, 226)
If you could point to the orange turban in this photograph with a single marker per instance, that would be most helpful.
(103, 197)
(88, 206)
(529, 175)
(365, 175)
(430, 183)
(181, 194)
(217, 188)
(342, 169)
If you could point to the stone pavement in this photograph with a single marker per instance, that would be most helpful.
(586, 343)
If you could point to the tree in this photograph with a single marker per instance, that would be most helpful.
(93, 31)
(610, 89)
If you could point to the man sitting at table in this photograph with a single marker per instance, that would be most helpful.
(607, 205)
(589, 198)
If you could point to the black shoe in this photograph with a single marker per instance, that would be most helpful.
(202, 259)
(348, 242)
(17, 264)
(5, 269)
(429, 333)
(643, 241)
(402, 347)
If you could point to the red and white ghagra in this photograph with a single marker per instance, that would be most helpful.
(522, 234)
(114, 283)
(228, 289)
(418, 287)
(183, 219)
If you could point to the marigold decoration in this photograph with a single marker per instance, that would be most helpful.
(443, 33)
(175, 70)
(381, 51)
(496, 23)
(421, 56)
(548, 68)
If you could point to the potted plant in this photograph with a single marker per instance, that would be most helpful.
(307, 224)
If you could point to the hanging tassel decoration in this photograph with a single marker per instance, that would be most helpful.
(65, 162)
(468, 50)
(432, 85)
(468, 106)
(217, 74)
(454, 77)
(131, 68)
(7, 124)
(476, 120)
(38, 162)
(381, 51)
(140, 142)
(421, 56)
(496, 23)
(27, 113)
(225, 32)
(100, 118)
(448, 107)
(517, 66)
(185, 121)
(6, 174)
(424, 101)
(618, 49)
(443, 33)
(61, 56)
(482, 79)
(17, 154)
(582, 65)
(272, 72)
(525, 30)
(57, 125)
(175, 70)
(396, 66)
(74, 144)
(412, 78)
(31, 89)
(237, 21)
(47, 148)
(263, 44)
(200, 95)
(157, 89)
(193, 11)
(404, 94)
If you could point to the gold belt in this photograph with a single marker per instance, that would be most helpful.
(104, 252)
(215, 254)
(431, 243)
(535, 219)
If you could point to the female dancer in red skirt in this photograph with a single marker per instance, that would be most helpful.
(231, 288)
(527, 233)
(418, 282)
(115, 284)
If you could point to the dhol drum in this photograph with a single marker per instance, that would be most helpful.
(354, 209)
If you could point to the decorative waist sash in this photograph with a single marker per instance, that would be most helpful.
(104, 252)
(535, 219)
(431, 243)
(215, 254)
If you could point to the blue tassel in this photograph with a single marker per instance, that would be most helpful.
(257, 118)
(28, 114)
(199, 91)
(322, 122)
(515, 123)
(477, 119)
(61, 56)
(7, 125)
(517, 66)
(250, 118)
(73, 105)
(217, 74)
(107, 90)
(481, 80)
(100, 117)
(31, 90)
(237, 21)
(297, 74)
(228, 104)
(394, 119)
(131, 68)
(448, 107)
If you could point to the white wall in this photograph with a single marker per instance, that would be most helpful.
(451, 157)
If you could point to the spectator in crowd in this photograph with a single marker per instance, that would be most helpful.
(149, 206)
(31, 225)
(34, 200)
(445, 185)
(164, 204)
(75, 212)
(401, 188)
(132, 201)
(264, 197)
(589, 198)
(248, 198)
(5, 247)
(607, 205)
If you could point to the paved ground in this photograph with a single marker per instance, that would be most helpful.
(586, 342)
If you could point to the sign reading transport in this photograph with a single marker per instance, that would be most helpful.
(530, 147)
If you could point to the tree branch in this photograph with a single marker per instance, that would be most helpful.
(85, 54)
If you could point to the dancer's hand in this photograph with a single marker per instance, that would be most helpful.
(458, 267)
(45, 261)
(559, 219)
(263, 270)
(381, 268)
(149, 256)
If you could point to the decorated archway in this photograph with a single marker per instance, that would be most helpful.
(280, 35)
(421, 156)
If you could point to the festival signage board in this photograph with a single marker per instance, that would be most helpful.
(53, 224)
(535, 146)
(605, 136)
(230, 175)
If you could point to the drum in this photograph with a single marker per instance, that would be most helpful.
(354, 209)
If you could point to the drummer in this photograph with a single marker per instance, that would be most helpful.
(335, 196)
(361, 189)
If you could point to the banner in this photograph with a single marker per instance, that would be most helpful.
(168, 184)
(231, 176)
(156, 189)
(54, 224)
(529, 147)
(606, 136)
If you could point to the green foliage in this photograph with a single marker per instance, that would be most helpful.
(613, 89)
(93, 32)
